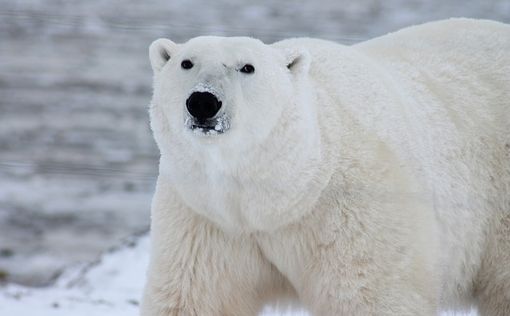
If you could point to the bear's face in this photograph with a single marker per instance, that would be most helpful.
(228, 91)
(232, 118)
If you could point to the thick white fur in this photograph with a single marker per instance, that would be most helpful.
(364, 180)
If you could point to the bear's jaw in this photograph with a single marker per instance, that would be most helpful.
(217, 125)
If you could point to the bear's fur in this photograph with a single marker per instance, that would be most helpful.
(371, 179)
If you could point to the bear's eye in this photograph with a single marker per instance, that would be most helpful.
(187, 64)
(247, 69)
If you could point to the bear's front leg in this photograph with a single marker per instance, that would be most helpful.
(374, 260)
(362, 287)
(197, 269)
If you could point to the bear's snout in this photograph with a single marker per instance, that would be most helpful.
(203, 105)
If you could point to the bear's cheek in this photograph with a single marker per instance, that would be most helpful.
(171, 96)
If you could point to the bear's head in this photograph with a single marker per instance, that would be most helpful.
(215, 89)
(224, 112)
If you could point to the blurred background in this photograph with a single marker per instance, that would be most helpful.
(77, 160)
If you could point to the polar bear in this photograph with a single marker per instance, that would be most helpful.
(371, 179)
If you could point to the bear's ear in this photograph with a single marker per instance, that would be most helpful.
(160, 52)
(297, 60)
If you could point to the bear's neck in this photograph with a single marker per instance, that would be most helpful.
(274, 185)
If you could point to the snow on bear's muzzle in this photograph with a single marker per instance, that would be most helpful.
(205, 113)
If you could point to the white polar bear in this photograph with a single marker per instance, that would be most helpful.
(364, 180)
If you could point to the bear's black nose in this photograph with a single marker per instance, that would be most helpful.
(203, 105)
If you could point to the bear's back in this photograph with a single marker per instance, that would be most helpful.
(457, 73)
(455, 59)
(438, 92)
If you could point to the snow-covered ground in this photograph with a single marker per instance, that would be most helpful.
(110, 286)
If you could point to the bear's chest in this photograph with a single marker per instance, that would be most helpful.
(245, 201)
